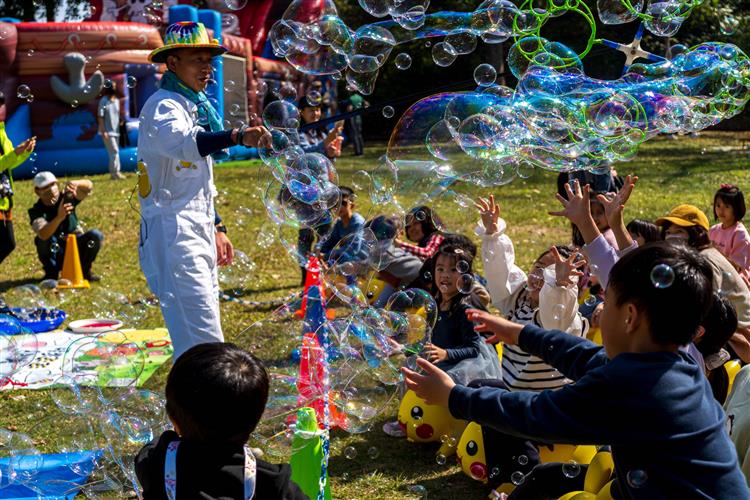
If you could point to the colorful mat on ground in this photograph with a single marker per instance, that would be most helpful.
(113, 359)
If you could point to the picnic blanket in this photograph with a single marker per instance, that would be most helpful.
(113, 359)
(52, 475)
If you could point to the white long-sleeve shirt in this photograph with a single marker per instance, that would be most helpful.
(558, 309)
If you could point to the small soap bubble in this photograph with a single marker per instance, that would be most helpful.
(388, 112)
(23, 91)
(373, 452)
(558, 311)
(462, 266)
(494, 472)
(54, 248)
(314, 98)
(107, 83)
(350, 452)
(523, 460)
(485, 75)
(420, 215)
(229, 86)
(418, 489)
(637, 478)
(131, 82)
(517, 478)
(441, 459)
(465, 283)
(444, 438)
(590, 300)
(403, 61)
(662, 276)
(91, 244)
(74, 103)
(428, 276)
(571, 469)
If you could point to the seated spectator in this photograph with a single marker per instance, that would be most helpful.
(216, 394)
(53, 217)
(396, 266)
(423, 226)
(348, 223)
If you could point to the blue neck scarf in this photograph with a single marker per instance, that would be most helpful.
(206, 112)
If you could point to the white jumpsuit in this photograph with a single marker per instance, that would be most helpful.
(177, 247)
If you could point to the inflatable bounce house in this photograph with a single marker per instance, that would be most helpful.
(52, 75)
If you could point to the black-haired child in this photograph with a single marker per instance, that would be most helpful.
(638, 393)
(643, 231)
(348, 224)
(730, 236)
(396, 267)
(455, 346)
(424, 228)
(216, 394)
(713, 334)
(544, 298)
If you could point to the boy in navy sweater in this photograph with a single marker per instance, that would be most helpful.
(638, 393)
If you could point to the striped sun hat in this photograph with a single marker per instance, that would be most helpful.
(186, 35)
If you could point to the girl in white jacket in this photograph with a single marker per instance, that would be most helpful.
(547, 297)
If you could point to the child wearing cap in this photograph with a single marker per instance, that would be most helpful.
(53, 217)
(688, 225)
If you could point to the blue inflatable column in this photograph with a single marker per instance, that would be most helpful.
(211, 19)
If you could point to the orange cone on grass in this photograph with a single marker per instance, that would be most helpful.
(71, 270)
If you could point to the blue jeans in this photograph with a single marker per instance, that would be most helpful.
(51, 252)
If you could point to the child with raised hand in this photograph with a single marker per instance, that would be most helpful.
(639, 392)
(216, 394)
(548, 297)
(730, 236)
(577, 209)
(455, 347)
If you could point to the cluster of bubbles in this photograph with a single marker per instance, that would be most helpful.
(557, 118)
(99, 418)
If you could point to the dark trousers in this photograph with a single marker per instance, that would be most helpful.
(305, 240)
(354, 134)
(51, 252)
(7, 239)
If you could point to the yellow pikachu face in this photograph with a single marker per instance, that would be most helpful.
(424, 423)
(470, 453)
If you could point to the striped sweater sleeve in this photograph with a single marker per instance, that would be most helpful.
(424, 252)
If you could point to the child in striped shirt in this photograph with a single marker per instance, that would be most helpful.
(544, 298)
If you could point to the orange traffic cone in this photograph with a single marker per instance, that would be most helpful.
(71, 271)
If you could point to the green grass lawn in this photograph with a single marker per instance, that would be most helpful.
(684, 170)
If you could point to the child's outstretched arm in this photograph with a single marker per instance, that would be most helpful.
(572, 414)
(558, 302)
(613, 208)
(578, 211)
(572, 356)
(498, 255)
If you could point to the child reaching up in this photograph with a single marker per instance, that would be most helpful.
(730, 236)
(216, 394)
(548, 297)
(455, 346)
(639, 393)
